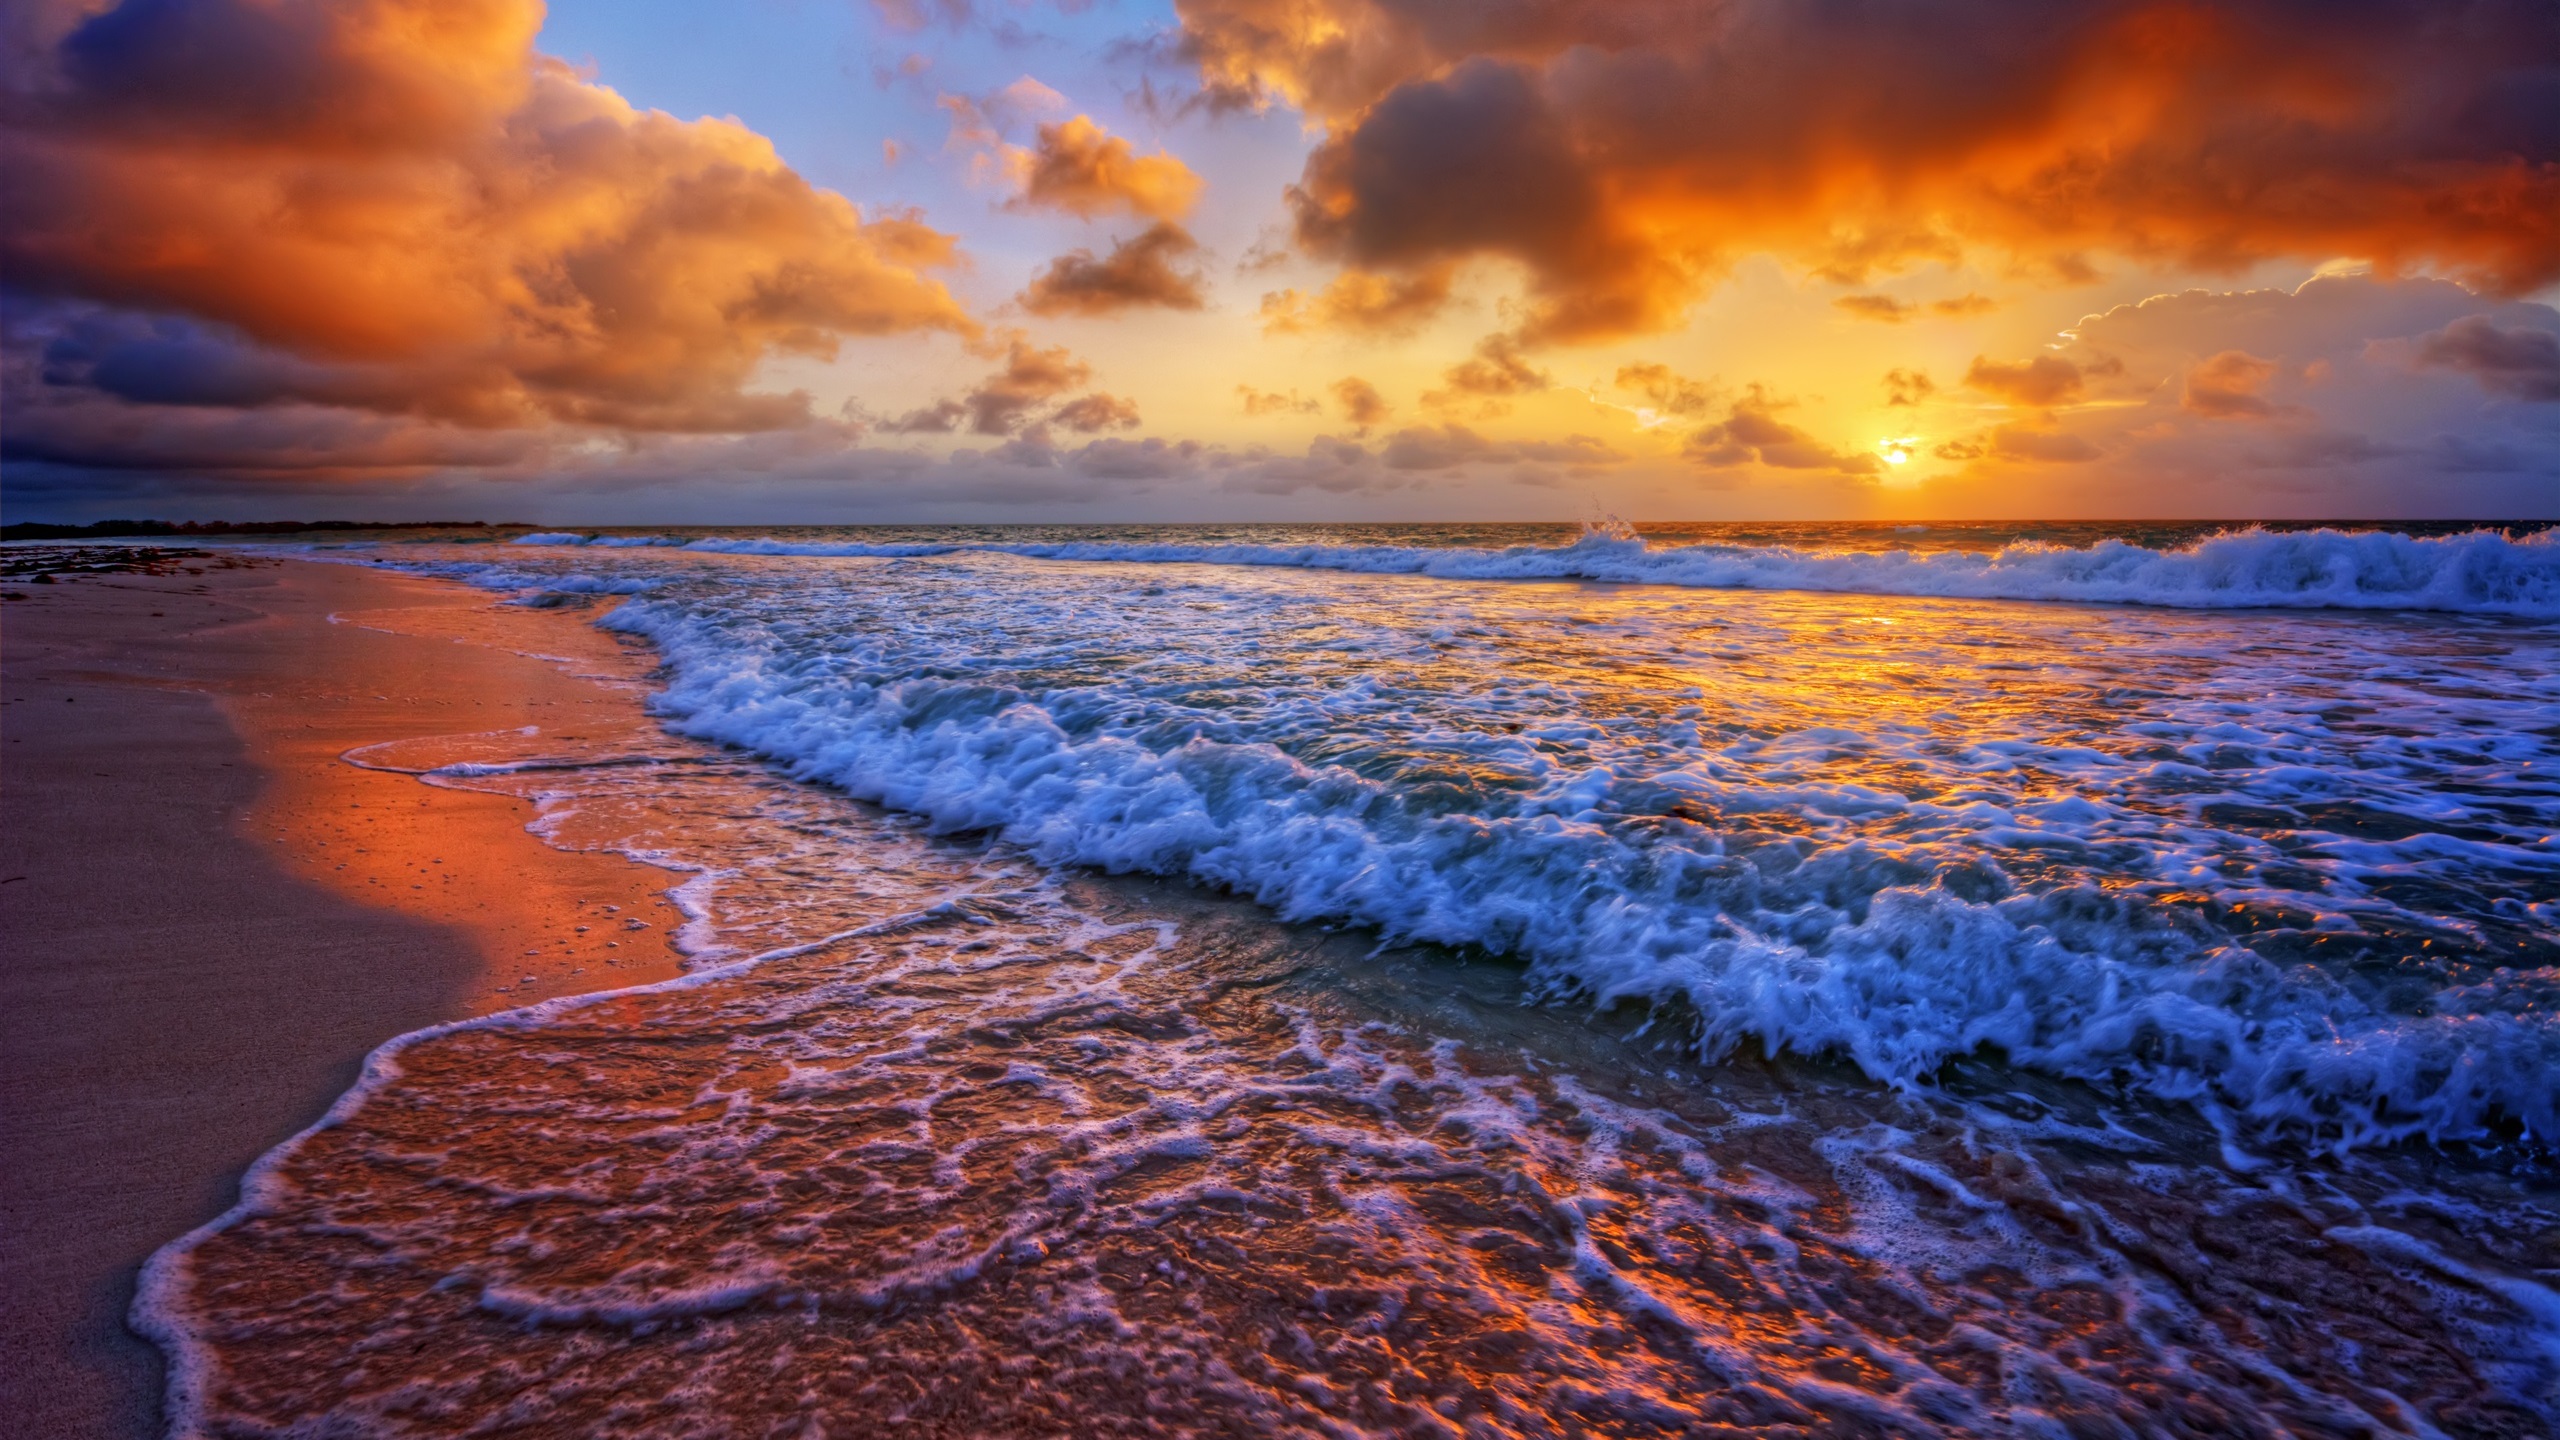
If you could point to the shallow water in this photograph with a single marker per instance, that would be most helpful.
(1766, 1010)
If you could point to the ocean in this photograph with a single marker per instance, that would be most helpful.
(1481, 981)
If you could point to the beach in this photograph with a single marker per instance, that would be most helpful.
(208, 917)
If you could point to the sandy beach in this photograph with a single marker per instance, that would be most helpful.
(208, 917)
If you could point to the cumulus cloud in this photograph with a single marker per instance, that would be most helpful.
(1089, 414)
(2361, 392)
(1083, 169)
(939, 418)
(1360, 401)
(1908, 387)
(1626, 154)
(2326, 314)
(2523, 362)
(2043, 381)
(1139, 272)
(397, 206)
(1752, 433)
(1360, 303)
(1668, 394)
(1017, 394)
(1496, 371)
(2225, 387)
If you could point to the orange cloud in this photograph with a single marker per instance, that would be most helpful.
(1361, 403)
(1079, 167)
(1138, 272)
(1891, 311)
(1908, 387)
(1751, 433)
(1495, 372)
(1361, 304)
(396, 204)
(1008, 399)
(1670, 393)
(2226, 386)
(1089, 414)
(1272, 402)
(1877, 307)
(1626, 154)
(2044, 381)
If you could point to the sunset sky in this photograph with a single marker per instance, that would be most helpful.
(640, 261)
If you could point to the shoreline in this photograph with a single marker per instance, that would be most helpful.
(210, 918)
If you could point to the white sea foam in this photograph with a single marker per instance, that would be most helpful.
(1957, 886)
(2482, 572)
(1860, 947)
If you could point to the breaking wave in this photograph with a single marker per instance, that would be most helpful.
(1900, 950)
(2480, 572)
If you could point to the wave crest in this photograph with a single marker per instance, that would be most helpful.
(2479, 572)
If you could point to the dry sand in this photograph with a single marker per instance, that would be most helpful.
(207, 917)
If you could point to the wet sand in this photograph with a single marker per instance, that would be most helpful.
(208, 917)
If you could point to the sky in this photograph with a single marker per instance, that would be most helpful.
(838, 261)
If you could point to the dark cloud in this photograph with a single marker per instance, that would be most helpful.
(1627, 153)
(2464, 455)
(1331, 466)
(1138, 272)
(1443, 447)
(2523, 362)
(1148, 459)
(2320, 449)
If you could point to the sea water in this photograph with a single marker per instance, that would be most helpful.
(1483, 981)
